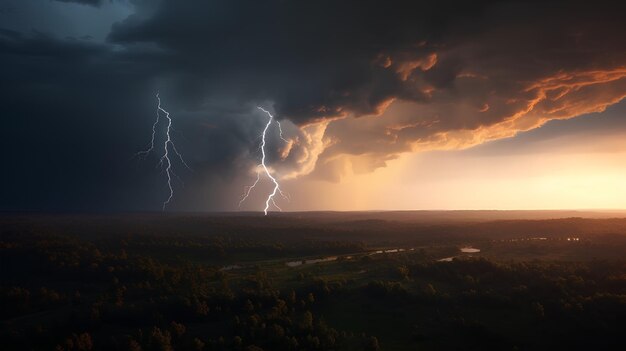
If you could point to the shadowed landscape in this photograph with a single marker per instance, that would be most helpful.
(426, 280)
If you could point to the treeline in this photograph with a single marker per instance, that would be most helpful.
(168, 292)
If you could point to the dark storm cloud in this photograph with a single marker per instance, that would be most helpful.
(55, 98)
(314, 59)
(77, 112)
(84, 2)
(462, 73)
(326, 58)
(473, 72)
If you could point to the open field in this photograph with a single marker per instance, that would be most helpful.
(314, 281)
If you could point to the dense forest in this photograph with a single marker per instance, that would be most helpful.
(249, 283)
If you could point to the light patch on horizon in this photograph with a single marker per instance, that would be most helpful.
(573, 164)
(451, 182)
(456, 120)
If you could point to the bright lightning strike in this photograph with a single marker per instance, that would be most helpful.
(276, 190)
(168, 146)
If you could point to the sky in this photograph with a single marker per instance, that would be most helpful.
(384, 105)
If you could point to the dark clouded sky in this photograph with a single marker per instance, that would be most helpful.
(385, 104)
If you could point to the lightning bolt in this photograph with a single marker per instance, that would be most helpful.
(248, 189)
(168, 146)
(276, 190)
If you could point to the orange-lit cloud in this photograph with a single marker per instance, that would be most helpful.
(397, 77)
(357, 145)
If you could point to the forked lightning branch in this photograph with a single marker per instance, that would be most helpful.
(168, 146)
(262, 167)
